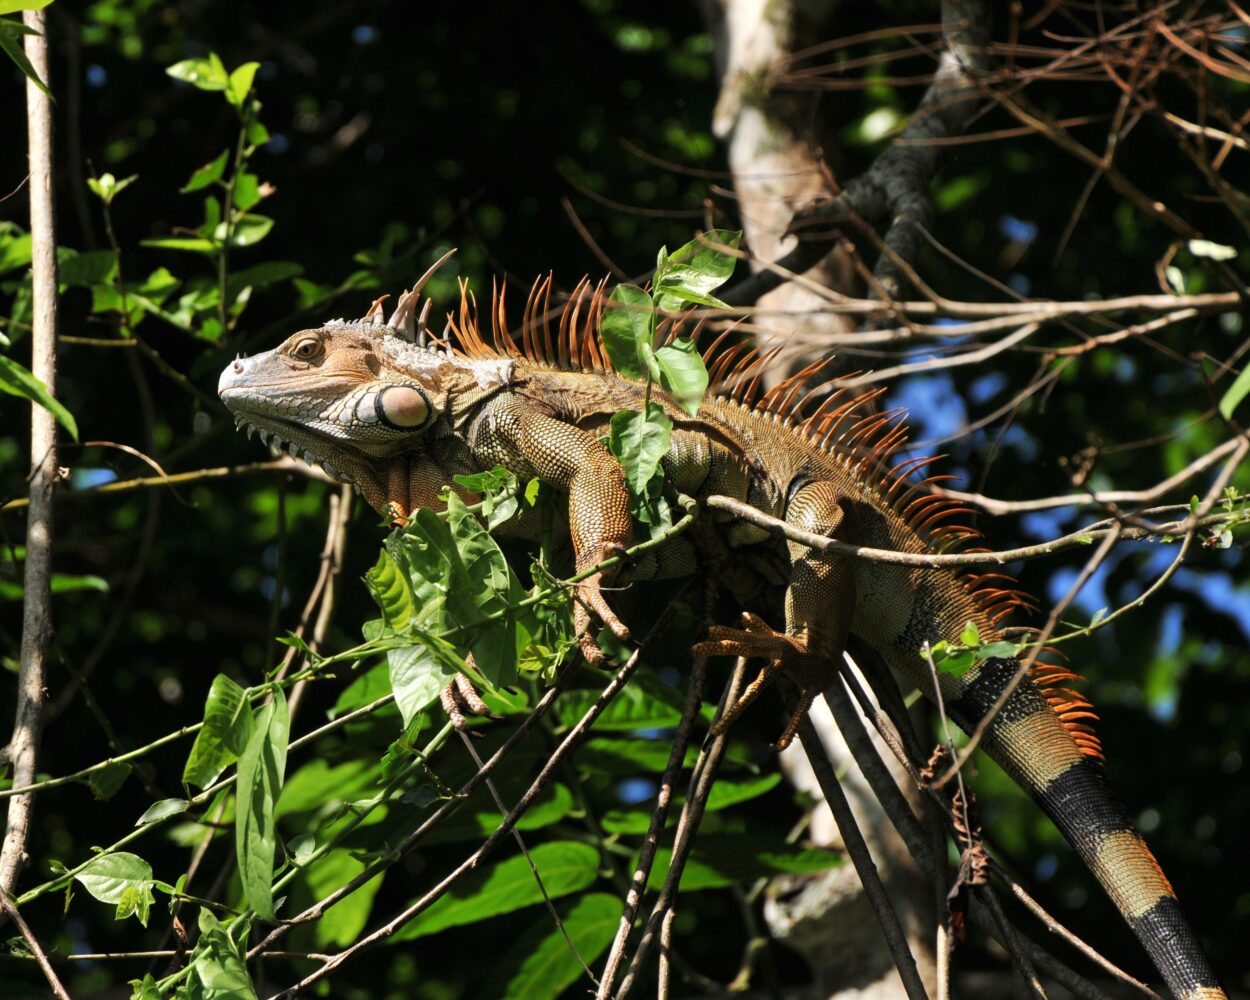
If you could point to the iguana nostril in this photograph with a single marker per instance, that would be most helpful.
(238, 366)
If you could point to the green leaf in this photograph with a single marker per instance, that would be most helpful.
(13, 6)
(627, 328)
(107, 187)
(257, 134)
(227, 730)
(207, 174)
(390, 589)
(726, 792)
(192, 244)
(246, 191)
(346, 918)
(82, 270)
(478, 820)
(261, 768)
(247, 231)
(460, 581)
(145, 988)
(14, 247)
(565, 867)
(62, 583)
(367, 688)
(633, 708)
(206, 74)
(123, 879)
(17, 380)
(301, 848)
(11, 43)
(107, 782)
(970, 636)
(539, 965)
(320, 783)
(417, 677)
(239, 85)
(639, 441)
(693, 271)
(135, 902)
(1235, 394)
(719, 860)
(683, 373)
(163, 810)
(261, 276)
(219, 962)
(999, 650)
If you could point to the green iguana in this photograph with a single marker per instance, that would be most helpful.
(397, 413)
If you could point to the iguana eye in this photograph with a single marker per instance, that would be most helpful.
(307, 349)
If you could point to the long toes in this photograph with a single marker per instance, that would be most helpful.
(450, 700)
(605, 614)
(721, 647)
(590, 650)
(469, 696)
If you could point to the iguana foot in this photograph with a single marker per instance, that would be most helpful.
(460, 699)
(590, 599)
(784, 653)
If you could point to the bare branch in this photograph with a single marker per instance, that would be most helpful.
(36, 949)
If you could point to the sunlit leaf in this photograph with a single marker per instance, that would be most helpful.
(492, 890)
(261, 768)
(239, 83)
(227, 729)
(219, 962)
(17, 380)
(639, 441)
(1235, 394)
(540, 965)
(205, 175)
(163, 810)
(123, 879)
(206, 74)
(626, 328)
(11, 42)
(683, 373)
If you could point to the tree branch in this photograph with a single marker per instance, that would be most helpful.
(37, 581)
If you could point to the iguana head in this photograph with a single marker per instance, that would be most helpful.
(354, 397)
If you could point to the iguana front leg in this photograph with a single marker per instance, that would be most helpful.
(529, 441)
(820, 604)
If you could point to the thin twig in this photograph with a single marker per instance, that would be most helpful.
(646, 854)
(285, 464)
(36, 949)
(928, 560)
(520, 843)
(701, 779)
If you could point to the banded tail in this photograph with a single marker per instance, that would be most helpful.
(1031, 738)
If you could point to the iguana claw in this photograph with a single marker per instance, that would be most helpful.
(784, 653)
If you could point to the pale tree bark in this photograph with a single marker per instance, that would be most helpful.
(775, 154)
(37, 610)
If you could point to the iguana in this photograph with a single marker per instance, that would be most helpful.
(398, 413)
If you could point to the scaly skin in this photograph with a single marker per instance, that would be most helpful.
(399, 419)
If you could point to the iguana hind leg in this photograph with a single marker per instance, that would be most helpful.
(820, 603)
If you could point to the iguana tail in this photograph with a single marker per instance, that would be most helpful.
(1039, 739)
